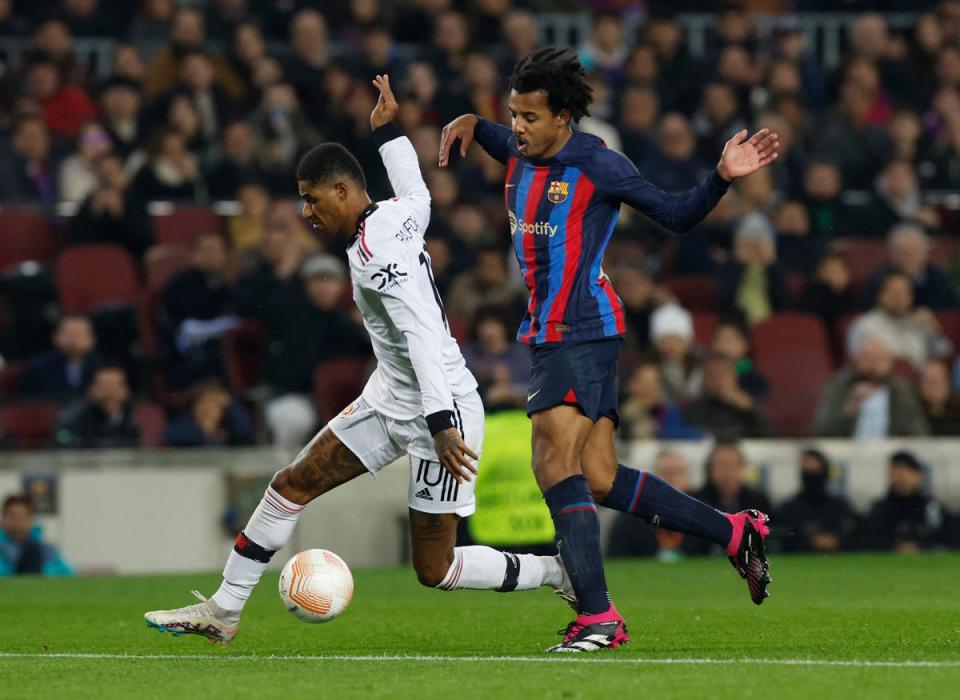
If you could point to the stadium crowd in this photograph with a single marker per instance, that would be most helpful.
(819, 298)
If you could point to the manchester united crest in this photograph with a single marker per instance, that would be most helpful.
(557, 194)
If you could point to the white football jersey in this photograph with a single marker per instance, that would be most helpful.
(420, 369)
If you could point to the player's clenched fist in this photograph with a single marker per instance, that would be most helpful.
(460, 128)
(387, 106)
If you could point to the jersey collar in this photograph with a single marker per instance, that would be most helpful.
(364, 215)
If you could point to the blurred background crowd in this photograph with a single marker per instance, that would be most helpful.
(159, 289)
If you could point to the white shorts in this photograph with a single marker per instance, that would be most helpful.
(378, 440)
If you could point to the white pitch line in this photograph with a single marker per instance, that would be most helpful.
(572, 658)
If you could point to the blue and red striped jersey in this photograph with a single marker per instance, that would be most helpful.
(562, 212)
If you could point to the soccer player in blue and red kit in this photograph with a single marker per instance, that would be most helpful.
(563, 193)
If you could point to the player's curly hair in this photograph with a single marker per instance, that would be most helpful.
(329, 160)
(557, 72)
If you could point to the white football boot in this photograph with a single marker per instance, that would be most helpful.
(565, 590)
(205, 618)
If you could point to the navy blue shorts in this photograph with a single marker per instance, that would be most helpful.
(582, 374)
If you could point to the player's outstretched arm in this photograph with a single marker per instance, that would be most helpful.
(399, 158)
(493, 138)
(742, 156)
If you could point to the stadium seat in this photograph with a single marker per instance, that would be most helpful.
(863, 255)
(28, 425)
(792, 351)
(25, 235)
(950, 323)
(704, 323)
(151, 419)
(243, 349)
(162, 262)
(184, 224)
(8, 378)
(841, 328)
(91, 276)
(335, 384)
(695, 292)
(460, 330)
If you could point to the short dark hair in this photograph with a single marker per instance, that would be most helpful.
(327, 161)
(557, 72)
(17, 499)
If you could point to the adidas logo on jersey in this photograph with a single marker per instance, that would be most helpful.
(424, 494)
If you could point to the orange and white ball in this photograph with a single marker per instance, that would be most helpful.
(316, 585)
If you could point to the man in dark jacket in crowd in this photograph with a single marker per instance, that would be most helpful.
(104, 418)
(907, 520)
(814, 520)
(65, 371)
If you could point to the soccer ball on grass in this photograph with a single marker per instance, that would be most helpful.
(316, 585)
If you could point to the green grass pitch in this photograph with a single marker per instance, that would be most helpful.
(844, 626)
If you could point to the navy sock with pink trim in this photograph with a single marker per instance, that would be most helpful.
(578, 540)
(655, 501)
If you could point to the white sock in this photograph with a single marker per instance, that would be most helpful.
(270, 528)
(486, 568)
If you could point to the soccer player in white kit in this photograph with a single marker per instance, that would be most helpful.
(421, 400)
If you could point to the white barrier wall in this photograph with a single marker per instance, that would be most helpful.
(140, 512)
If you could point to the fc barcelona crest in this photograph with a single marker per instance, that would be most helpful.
(557, 194)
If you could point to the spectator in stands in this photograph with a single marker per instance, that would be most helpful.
(77, 176)
(680, 76)
(171, 172)
(753, 284)
(487, 284)
(213, 419)
(120, 103)
(629, 538)
(717, 120)
(65, 106)
(198, 83)
(646, 414)
(674, 166)
(22, 549)
(731, 339)
(639, 114)
(848, 134)
(671, 330)
(187, 33)
(127, 62)
(246, 229)
(283, 131)
(451, 41)
(723, 409)
(237, 163)
(281, 251)
(829, 216)
(725, 489)
(519, 37)
(908, 251)
(640, 297)
(52, 36)
(114, 213)
(64, 372)
(830, 294)
(907, 520)
(797, 249)
(195, 310)
(910, 333)
(104, 418)
(248, 46)
(941, 403)
(501, 366)
(307, 66)
(28, 171)
(151, 25)
(815, 520)
(898, 198)
(865, 401)
(12, 24)
(307, 326)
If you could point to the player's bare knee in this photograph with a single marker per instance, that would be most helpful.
(431, 573)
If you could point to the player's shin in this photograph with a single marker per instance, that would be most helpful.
(485, 568)
(656, 502)
(269, 529)
(578, 539)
